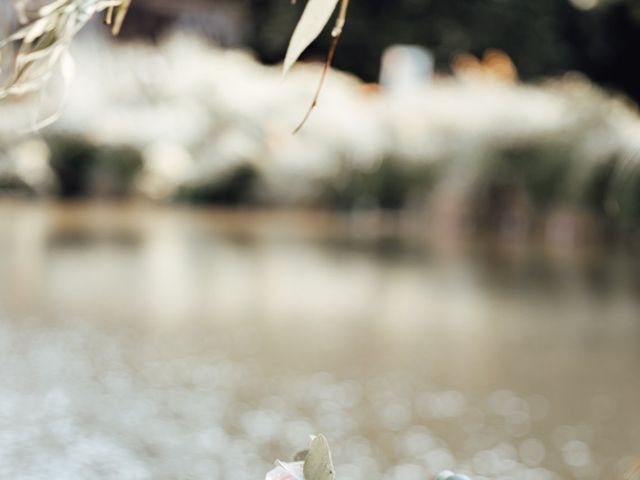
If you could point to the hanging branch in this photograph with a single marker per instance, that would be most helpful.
(46, 33)
(316, 15)
(335, 39)
(45, 36)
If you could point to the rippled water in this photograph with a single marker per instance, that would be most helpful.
(143, 343)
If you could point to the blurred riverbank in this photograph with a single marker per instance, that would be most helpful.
(187, 122)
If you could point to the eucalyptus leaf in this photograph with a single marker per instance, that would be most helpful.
(318, 464)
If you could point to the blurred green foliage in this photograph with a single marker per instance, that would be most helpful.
(624, 200)
(391, 185)
(71, 160)
(83, 169)
(237, 186)
(12, 185)
(541, 171)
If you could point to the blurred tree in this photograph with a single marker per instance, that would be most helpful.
(544, 37)
(528, 30)
(602, 44)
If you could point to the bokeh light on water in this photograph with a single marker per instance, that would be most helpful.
(152, 343)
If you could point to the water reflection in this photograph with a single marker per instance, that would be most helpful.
(145, 343)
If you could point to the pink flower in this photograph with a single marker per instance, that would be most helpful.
(286, 471)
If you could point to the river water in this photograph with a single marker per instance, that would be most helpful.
(140, 342)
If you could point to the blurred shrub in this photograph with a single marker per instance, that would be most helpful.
(540, 171)
(115, 171)
(623, 202)
(72, 159)
(14, 186)
(390, 185)
(234, 187)
(596, 195)
(83, 169)
(611, 194)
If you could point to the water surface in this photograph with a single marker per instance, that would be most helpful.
(140, 342)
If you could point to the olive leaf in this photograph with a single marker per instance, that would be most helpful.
(315, 17)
